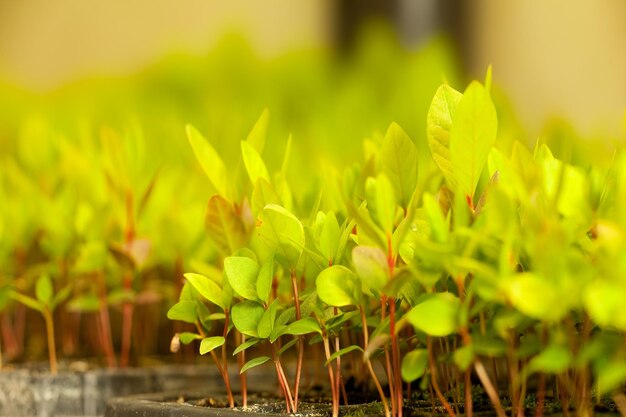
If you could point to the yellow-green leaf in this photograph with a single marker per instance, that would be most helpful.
(254, 163)
(438, 125)
(472, 135)
(398, 157)
(210, 161)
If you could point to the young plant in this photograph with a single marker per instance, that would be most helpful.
(45, 301)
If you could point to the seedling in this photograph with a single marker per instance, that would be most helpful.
(45, 301)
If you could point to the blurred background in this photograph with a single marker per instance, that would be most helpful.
(557, 58)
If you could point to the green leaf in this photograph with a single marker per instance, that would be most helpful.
(224, 227)
(62, 295)
(188, 337)
(610, 377)
(283, 233)
(399, 163)
(245, 345)
(258, 134)
(210, 161)
(303, 326)
(605, 304)
(338, 286)
(27, 301)
(472, 135)
(553, 359)
(254, 163)
(414, 365)
(242, 274)
(342, 352)
(183, 311)
(266, 324)
(535, 296)
(246, 317)
(288, 346)
(439, 226)
(366, 226)
(437, 315)
(85, 303)
(120, 296)
(253, 363)
(438, 126)
(265, 278)
(210, 343)
(329, 237)
(371, 266)
(206, 288)
(463, 357)
(263, 193)
(381, 201)
(44, 290)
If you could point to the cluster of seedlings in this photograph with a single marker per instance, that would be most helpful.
(502, 267)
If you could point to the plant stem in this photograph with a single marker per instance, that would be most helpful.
(288, 391)
(283, 388)
(127, 324)
(489, 388)
(225, 358)
(388, 367)
(433, 378)
(8, 334)
(52, 353)
(331, 377)
(469, 406)
(105, 323)
(381, 393)
(296, 299)
(541, 395)
(395, 352)
(242, 376)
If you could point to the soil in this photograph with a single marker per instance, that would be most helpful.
(314, 404)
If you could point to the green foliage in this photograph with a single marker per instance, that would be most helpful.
(283, 233)
(436, 315)
(490, 252)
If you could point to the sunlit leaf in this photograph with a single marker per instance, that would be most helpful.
(329, 237)
(246, 317)
(414, 364)
(206, 288)
(338, 286)
(283, 233)
(183, 311)
(242, 275)
(437, 315)
(44, 290)
(265, 278)
(209, 343)
(254, 163)
(188, 337)
(210, 161)
(252, 363)
(371, 266)
(438, 126)
(472, 135)
(223, 225)
(303, 326)
(258, 134)
(399, 163)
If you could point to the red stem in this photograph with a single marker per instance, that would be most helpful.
(296, 298)
(395, 351)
